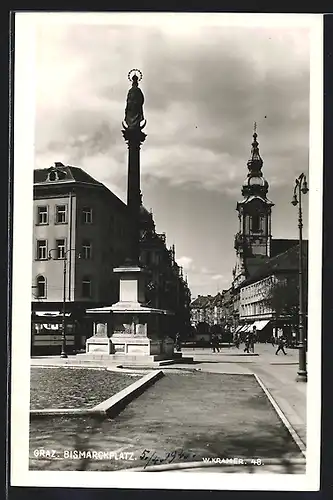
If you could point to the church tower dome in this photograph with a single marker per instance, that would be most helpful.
(255, 183)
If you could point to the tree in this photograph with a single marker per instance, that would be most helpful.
(282, 297)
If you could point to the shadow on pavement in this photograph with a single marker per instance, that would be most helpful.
(268, 442)
(82, 440)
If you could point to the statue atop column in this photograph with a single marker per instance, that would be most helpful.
(134, 118)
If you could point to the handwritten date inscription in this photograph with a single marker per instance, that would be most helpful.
(152, 458)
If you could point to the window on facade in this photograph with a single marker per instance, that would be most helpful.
(41, 286)
(87, 215)
(53, 176)
(86, 249)
(60, 244)
(42, 215)
(255, 223)
(41, 249)
(86, 287)
(61, 214)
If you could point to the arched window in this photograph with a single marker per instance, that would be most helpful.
(53, 176)
(255, 226)
(41, 286)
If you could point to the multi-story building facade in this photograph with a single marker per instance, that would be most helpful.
(259, 307)
(81, 231)
(218, 313)
(79, 221)
(200, 312)
(166, 286)
(208, 314)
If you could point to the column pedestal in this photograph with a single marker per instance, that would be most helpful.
(130, 331)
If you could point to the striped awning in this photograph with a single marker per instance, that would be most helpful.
(248, 327)
(243, 329)
(260, 325)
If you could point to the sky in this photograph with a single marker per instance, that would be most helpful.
(205, 83)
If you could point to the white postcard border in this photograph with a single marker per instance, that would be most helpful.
(24, 113)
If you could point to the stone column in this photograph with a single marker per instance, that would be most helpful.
(133, 124)
(134, 139)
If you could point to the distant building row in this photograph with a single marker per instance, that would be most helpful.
(268, 299)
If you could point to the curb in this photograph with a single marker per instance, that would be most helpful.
(117, 402)
(108, 408)
(282, 416)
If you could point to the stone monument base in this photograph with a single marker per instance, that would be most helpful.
(128, 360)
(98, 345)
(129, 331)
(128, 348)
(125, 345)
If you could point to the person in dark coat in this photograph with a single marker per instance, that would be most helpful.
(237, 340)
(281, 345)
(178, 345)
(253, 338)
(247, 343)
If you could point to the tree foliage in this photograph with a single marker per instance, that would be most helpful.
(282, 296)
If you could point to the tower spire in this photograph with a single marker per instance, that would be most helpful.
(255, 162)
(255, 184)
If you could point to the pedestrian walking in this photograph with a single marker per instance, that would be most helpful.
(273, 340)
(281, 345)
(252, 343)
(178, 343)
(215, 343)
(237, 340)
(253, 338)
(247, 343)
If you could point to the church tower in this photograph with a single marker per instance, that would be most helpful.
(253, 239)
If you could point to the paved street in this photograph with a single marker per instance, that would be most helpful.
(278, 373)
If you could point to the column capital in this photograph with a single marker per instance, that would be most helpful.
(134, 137)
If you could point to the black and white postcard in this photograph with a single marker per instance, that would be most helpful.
(167, 232)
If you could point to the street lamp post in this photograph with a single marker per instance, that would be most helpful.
(63, 343)
(300, 188)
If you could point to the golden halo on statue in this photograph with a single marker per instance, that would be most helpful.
(136, 72)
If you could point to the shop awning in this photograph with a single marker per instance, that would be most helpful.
(260, 325)
(248, 328)
(49, 313)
